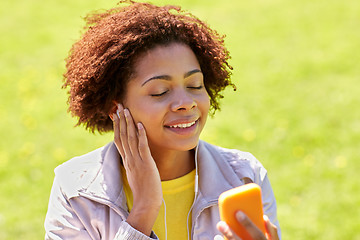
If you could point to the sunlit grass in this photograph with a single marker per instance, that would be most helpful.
(296, 67)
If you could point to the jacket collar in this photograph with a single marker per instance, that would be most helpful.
(107, 184)
(215, 174)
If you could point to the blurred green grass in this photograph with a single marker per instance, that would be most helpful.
(296, 66)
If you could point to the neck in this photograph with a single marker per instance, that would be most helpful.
(174, 164)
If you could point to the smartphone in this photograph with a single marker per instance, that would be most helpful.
(246, 198)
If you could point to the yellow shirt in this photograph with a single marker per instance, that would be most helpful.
(178, 195)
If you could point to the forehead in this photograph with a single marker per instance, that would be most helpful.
(165, 59)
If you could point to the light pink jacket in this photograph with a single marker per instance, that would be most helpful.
(87, 199)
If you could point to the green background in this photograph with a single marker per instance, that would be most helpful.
(296, 66)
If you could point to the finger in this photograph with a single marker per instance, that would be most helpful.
(131, 135)
(250, 227)
(143, 146)
(226, 231)
(124, 138)
(271, 229)
(218, 237)
(117, 140)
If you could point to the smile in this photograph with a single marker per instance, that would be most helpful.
(183, 125)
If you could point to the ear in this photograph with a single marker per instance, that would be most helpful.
(113, 109)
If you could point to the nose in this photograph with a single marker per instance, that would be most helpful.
(183, 101)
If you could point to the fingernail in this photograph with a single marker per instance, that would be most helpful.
(218, 237)
(223, 227)
(126, 112)
(117, 113)
(240, 215)
(140, 126)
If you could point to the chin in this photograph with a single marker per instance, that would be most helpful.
(175, 144)
(187, 146)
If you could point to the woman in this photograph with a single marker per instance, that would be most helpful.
(150, 74)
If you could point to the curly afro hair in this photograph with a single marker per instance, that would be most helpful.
(100, 64)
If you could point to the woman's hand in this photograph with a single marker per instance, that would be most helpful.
(141, 171)
(255, 233)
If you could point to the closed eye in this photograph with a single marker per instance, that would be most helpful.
(200, 87)
(159, 94)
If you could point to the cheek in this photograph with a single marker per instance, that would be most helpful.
(204, 103)
(145, 113)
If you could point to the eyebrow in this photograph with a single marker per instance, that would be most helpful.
(168, 78)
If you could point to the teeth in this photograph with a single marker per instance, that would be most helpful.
(184, 125)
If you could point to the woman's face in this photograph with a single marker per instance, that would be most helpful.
(167, 94)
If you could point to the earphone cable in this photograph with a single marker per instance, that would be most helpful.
(195, 190)
(165, 219)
